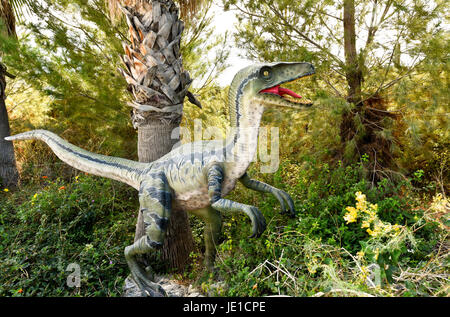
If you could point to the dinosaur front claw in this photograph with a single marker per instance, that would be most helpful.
(258, 222)
(286, 198)
(291, 213)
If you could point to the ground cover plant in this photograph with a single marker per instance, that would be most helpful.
(385, 242)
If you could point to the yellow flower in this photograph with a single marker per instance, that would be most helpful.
(364, 272)
(6, 190)
(360, 254)
(438, 197)
(375, 232)
(360, 196)
(369, 218)
(34, 196)
(361, 203)
(361, 206)
(372, 215)
(352, 214)
(377, 253)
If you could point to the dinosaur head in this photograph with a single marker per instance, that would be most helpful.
(258, 86)
(267, 84)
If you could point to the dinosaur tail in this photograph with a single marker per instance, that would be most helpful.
(116, 168)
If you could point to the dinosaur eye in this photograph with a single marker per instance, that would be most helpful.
(266, 73)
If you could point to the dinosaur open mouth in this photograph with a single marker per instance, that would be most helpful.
(287, 94)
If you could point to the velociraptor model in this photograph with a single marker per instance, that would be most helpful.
(196, 176)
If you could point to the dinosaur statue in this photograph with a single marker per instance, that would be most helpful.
(196, 176)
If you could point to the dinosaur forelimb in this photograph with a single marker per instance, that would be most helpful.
(215, 180)
(257, 218)
(281, 195)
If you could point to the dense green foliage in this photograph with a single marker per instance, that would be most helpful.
(87, 221)
(320, 253)
(355, 234)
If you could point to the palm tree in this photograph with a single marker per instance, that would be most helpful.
(159, 84)
(8, 170)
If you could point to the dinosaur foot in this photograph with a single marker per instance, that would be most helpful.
(143, 278)
(131, 289)
(147, 286)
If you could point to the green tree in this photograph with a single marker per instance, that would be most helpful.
(361, 48)
(70, 52)
(8, 169)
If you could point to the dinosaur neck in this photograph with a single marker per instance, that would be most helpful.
(243, 141)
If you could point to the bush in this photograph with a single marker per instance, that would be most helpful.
(327, 250)
(44, 229)
(321, 252)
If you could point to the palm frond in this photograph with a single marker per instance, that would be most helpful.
(20, 7)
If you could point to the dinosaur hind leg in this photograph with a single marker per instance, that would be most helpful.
(155, 199)
(213, 227)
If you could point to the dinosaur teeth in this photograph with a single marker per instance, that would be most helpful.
(297, 100)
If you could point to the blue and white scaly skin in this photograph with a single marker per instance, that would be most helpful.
(196, 176)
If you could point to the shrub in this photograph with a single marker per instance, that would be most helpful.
(327, 250)
(43, 230)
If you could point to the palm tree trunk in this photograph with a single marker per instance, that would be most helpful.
(159, 84)
(154, 140)
(9, 176)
